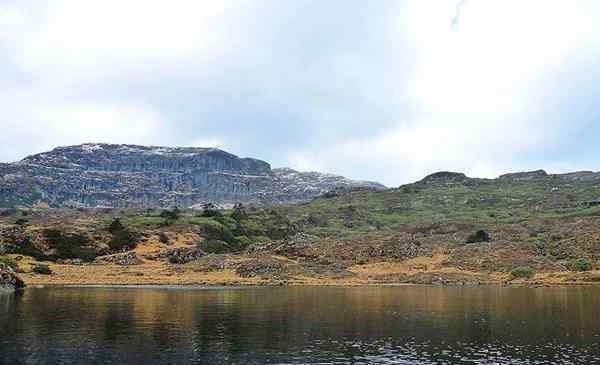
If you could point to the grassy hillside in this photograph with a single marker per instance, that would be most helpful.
(446, 228)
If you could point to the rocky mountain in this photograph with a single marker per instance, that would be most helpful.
(110, 175)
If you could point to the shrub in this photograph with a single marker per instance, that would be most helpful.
(239, 213)
(116, 226)
(70, 246)
(21, 222)
(479, 236)
(123, 239)
(540, 246)
(243, 241)
(42, 269)
(217, 232)
(170, 216)
(580, 264)
(214, 246)
(523, 272)
(9, 262)
(27, 248)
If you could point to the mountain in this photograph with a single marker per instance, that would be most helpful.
(113, 175)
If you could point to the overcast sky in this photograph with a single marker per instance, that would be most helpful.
(378, 90)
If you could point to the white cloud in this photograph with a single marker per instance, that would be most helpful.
(92, 39)
(468, 97)
(42, 127)
(476, 89)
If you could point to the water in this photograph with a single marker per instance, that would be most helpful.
(301, 325)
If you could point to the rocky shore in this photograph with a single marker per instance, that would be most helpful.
(9, 281)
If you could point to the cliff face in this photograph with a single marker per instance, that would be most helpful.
(93, 175)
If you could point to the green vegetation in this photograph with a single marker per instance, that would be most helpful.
(27, 248)
(214, 246)
(170, 216)
(42, 270)
(523, 272)
(122, 237)
(70, 246)
(580, 264)
(479, 236)
(8, 262)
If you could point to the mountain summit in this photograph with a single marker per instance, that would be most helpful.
(118, 175)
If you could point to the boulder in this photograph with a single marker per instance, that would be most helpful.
(260, 267)
(180, 255)
(9, 281)
(123, 259)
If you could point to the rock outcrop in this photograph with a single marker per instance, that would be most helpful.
(180, 255)
(445, 177)
(9, 281)
(123, 259)
(109, 175)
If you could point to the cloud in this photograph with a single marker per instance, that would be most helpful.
(41, 127)
(381, 90)
(93, 39)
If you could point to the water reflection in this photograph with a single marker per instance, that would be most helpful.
(368, 325)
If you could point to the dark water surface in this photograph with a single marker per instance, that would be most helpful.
(301, 325)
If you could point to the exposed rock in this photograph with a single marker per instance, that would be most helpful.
(445, 177)
(180, 255)
(443, 278)
(211, 263)
(77, 262)
(264, 267)
(108, 175)
(123, 259)
(9, 281)
(297, 186)
(524, 176)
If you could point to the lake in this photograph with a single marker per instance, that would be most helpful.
(301, 325)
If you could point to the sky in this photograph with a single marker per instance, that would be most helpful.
(374, 90)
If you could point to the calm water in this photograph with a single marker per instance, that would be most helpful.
(368, 325)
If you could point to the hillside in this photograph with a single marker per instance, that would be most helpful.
(105, 175)
(448, 228)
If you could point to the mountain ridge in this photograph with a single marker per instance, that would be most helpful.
(126, 175)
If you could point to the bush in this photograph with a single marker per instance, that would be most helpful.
(239, 213)
(70, 246)
(116, 226)
(27, 248)
(123, 239)
(214, 246)
(42, 270)
(580, 264)
(217, 232)
(243, 241)
(523, 272)
(9, 262)
(170, 216)
(479, 236)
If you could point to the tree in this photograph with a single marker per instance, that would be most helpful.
(239, 212)
(170, 216)
(116, 226)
